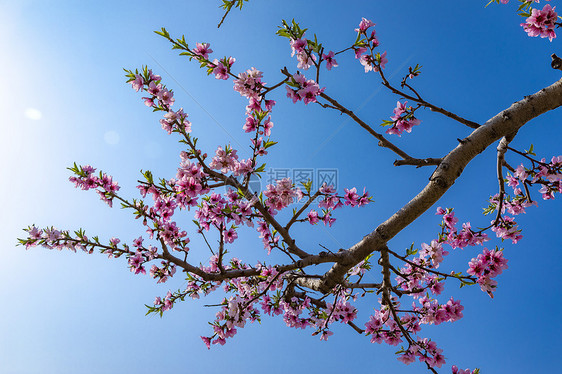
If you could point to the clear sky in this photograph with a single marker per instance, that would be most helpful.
(64, 100)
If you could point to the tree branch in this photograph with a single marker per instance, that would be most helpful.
(418, 162)
(383, 142)
(432, 107)
(503, 124)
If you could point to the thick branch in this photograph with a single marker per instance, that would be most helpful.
(237, 273)
(418, 162)
(503, 124)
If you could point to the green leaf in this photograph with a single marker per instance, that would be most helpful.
(163, 33)
(260, 169)
(490, 209)
(411, 251)
(530, 151)
(268, 144)
(307, 185)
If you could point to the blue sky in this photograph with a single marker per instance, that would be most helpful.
(64, 100)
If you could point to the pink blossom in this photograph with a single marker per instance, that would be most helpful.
(306, 60)
(330, 60)
(325, 334)
(224, 160)
(359, 51)
(137, 83)
(249, 83)
(165, 97)
(292, 94)
(269, 104)
(454, 368)
(202, 50)
(486, 266)
(148, 101)
(308, 91)
(434, 251)
(507, 229)
(135, 262)
(35, 233)
(250, 124)
(351, 197)
(541, 22)
(313, 217)
(308, 94)
(297, 46)
(450, 221)
(267, 125)
(154, 88)
(368, 62)
(364, 25)
(207, 341)
(407, 358)
(230, 235)
(282, 194)
(221, 69)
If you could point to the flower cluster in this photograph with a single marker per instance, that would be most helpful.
(365, 45)
(486, 266)
(414, 279)
(160, 99)
(514, 206)
(282, 194)
(434, 252)
(402, 120)
(353, 199)
(304, 56)
(382, 327)
(308, 52)
(249, 84)
(269, 239)
(52, 238)
(221, 68)
(259, 120)
(426, 351)
(85, 179)
(299, 88)
(201, 51)
(455, 238)
(166, 304)
(506, 228)
(255, 293)
(454, 368)
(434, 313)
(548, 175)
(375, 328)
(330, 60)
(331, 201)
(218, 212)
(541, 23)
